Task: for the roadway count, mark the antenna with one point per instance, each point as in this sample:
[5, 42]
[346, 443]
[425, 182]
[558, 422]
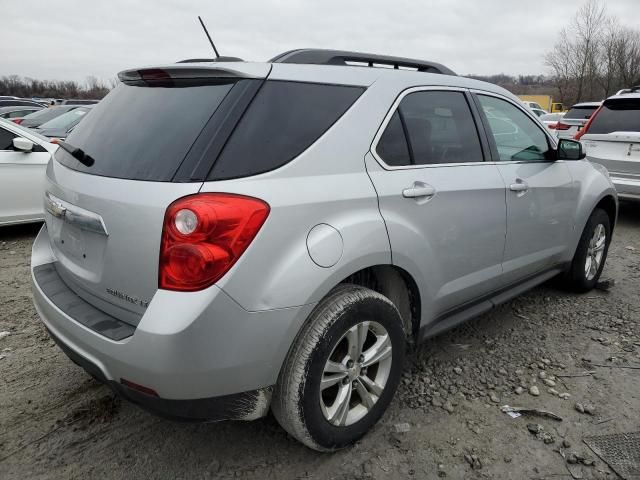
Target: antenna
[215, 50]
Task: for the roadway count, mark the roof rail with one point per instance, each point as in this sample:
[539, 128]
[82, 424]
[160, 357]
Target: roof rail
[634, 89]
[337, 57]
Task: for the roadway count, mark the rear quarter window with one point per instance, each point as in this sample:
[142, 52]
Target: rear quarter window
[283, 120]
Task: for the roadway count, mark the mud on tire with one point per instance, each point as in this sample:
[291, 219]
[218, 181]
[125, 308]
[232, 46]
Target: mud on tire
[300, 404]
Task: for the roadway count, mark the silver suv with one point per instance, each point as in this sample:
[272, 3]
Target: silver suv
[225, 238]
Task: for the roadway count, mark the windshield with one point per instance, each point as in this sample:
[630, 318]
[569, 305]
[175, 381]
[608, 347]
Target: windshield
[581, 113]
[66, 120]
[144, 131]
[619, 115]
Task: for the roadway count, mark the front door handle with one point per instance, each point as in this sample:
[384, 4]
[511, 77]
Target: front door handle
[419, 189]
[519, 186]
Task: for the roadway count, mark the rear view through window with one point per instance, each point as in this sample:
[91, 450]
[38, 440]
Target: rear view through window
[145, 131]
[581, 113]
[617, 115]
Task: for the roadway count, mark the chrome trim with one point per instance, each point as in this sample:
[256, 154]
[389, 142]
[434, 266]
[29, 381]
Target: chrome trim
[81, 218]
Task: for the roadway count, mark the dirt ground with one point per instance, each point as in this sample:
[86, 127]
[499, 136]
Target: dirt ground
[57, 422]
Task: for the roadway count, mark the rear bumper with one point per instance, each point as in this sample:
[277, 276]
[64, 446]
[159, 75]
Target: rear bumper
[239, 406]
[626, 187]
[201, 348]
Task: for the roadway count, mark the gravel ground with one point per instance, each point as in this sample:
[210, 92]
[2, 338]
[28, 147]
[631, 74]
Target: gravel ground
[57, 422]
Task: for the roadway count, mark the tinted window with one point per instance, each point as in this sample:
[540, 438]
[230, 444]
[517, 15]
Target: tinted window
[392, 146]
[620, 115]
[6, 139]
[440, 128]
[143, 132]
[517, 137]
[41, 116]
[283, 120]
[580, 113]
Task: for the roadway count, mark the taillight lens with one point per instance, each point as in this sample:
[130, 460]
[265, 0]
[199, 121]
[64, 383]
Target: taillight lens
[17, 120]
[584, 129]
[204, 235]
[552, 126]
[562, 126]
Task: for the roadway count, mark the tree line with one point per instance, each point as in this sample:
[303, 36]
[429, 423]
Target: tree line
[594, 56]
[93, 88]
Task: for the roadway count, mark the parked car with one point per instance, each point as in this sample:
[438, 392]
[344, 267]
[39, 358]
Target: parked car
[17, 112]
[79, 102]
[550, 120]
[576, 118]
[249, 255]
[532, 105]
[60, 126]
[539, 112]
[21, 102]
[612, 138]
[23, 159]
[34, 120]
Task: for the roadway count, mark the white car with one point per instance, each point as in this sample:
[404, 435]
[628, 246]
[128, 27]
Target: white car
[612, 138]
[23, 160]
[575, 119]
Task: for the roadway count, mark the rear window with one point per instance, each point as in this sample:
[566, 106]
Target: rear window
[619, 115]
[66, 120]
[580, 113]
[144, 131]
[283, 120]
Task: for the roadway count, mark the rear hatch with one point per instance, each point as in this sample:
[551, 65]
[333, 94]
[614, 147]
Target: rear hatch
[613, 137]
[152, 140]
[574, 120]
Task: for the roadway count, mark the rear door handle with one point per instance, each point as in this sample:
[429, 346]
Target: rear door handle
[519, 186]
[418, 190]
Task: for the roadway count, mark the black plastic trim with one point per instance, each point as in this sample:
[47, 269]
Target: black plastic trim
[339, 57]
[52, 285]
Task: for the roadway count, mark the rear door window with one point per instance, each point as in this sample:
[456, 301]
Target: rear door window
[440, 129]
[283, 120]
[617, 115]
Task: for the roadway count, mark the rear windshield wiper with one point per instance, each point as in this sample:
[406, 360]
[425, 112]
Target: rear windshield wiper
[77, 153]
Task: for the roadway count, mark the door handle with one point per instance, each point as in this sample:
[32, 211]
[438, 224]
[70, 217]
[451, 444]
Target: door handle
[519, 186]
[418, 190]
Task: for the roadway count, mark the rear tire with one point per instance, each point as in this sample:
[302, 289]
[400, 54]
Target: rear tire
[325, 398]
[591, 254]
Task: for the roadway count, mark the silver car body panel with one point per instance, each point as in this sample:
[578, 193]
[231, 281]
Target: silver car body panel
[234, 335]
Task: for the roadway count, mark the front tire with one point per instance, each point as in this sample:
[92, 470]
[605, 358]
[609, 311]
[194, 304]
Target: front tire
[591, 254]
[343, 369]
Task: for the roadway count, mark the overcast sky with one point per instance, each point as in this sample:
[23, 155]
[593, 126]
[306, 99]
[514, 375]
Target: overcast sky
[70, 39]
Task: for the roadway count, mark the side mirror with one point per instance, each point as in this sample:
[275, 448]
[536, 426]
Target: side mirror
[570, 150]
[22, 144]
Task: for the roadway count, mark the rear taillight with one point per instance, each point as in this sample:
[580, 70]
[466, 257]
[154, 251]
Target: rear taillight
[204, 235]
[552, 126]
[17, 120]
[562, 126]
[584, 129]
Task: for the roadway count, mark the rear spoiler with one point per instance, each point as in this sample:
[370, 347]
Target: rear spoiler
[184, 71]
